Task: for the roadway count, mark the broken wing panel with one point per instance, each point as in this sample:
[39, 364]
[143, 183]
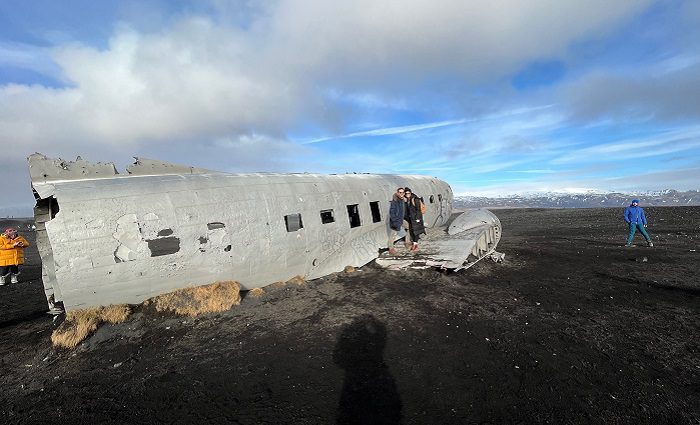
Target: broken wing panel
[472, 236]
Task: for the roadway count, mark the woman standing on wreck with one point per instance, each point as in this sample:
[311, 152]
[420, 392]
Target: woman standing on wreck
[414, 216]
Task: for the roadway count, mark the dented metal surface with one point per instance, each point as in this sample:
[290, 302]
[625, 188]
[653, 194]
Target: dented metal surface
[106, 237]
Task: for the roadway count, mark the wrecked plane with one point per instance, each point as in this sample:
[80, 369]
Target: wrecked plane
[108, 238]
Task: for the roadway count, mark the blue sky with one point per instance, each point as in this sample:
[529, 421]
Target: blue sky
[493, 97]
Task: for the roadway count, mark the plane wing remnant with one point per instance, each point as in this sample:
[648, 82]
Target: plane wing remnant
[472, 236]
[108, 238]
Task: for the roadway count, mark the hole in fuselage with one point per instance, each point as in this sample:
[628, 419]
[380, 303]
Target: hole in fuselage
[163, 246]
[45, 209]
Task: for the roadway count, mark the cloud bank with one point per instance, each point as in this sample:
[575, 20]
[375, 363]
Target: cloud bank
[200, 77]
[257, 86]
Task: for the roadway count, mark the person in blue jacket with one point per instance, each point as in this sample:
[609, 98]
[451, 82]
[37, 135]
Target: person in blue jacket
[635, 218]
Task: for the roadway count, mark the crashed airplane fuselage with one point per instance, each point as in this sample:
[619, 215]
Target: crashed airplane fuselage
[107, 238]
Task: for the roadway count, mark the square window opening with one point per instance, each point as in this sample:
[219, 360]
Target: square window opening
[354, 215]
[327, 216]
[293, 222]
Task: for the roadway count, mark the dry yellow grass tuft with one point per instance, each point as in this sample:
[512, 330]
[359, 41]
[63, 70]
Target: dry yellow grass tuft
[79, 324]
[349, 269]
[115, 313]
[256, 292]
[213, 298]
[297, 280]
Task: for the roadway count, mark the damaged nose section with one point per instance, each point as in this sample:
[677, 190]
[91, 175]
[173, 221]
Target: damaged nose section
[45, 173]
[45, 210]
[72, 243]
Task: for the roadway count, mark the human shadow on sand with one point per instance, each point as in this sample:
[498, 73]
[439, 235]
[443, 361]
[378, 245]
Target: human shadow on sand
[369, 394]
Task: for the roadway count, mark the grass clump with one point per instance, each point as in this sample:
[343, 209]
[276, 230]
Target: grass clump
[256, 292]
[297, 280]
[349, 269]
[212, 298]
[79, 324]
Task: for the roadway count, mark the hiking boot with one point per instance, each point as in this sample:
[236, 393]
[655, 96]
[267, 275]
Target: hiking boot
[629, 245]
[14, 279]
[650, 244]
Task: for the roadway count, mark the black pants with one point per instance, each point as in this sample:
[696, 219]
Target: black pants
[4, 270]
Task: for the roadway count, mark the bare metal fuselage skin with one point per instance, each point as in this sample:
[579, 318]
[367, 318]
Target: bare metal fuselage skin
[109, 238]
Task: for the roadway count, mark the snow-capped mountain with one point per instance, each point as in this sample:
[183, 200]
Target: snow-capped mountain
[589, 199]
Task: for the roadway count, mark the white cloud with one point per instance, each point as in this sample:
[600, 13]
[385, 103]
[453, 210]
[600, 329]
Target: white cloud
[20, 55]
[669, 142]
[253, 153]
[408, 40]
[666, 92]
[215, 81]
[201, 78]
[532, 171]
[389, 131]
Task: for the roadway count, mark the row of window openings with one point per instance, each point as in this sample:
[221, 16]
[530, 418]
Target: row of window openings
[294, 223]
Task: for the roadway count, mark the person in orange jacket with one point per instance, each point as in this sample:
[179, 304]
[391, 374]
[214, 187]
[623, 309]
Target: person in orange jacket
[11, 254]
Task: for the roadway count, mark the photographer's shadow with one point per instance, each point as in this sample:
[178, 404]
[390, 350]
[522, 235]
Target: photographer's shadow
[369, 394]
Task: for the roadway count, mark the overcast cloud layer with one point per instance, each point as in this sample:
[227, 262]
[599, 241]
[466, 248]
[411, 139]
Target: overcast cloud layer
[482, 94]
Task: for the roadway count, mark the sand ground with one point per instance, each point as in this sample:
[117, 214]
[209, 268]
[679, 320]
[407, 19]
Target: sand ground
[572, 328]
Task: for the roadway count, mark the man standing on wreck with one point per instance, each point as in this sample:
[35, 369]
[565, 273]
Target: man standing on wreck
[397, 222]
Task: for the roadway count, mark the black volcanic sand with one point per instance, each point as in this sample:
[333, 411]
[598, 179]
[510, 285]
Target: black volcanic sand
[572, 328]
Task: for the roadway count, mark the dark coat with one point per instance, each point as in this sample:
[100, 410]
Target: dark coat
[397, 212]
[415, 217]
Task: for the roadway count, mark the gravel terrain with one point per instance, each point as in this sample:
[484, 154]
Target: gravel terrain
[571, 328]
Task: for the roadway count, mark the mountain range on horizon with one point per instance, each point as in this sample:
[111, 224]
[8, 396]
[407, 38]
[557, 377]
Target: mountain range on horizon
[588, 199]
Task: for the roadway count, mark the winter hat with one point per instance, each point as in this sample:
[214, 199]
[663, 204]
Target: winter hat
[635, 200]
